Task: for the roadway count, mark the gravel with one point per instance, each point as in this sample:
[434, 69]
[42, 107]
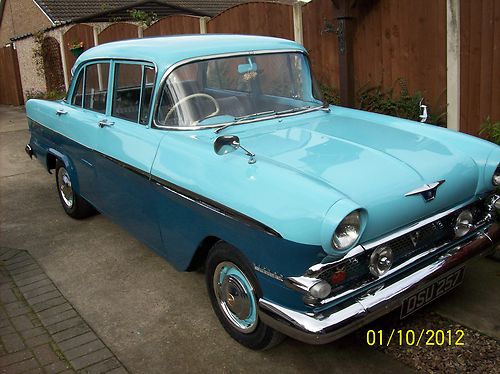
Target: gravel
[478, 354]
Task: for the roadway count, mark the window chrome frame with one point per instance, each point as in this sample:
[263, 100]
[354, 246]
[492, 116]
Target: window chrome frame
[83, 65]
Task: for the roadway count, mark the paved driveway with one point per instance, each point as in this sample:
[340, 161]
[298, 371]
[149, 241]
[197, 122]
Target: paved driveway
[153, 318]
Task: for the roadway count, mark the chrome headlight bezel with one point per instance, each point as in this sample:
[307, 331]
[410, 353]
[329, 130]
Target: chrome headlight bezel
[347, 232]
[495, 179]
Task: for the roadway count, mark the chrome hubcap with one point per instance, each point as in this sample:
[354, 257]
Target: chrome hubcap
[65, 188]
[235, 296]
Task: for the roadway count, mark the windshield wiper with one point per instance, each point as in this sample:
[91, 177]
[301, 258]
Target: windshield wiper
[243, 118]
[293, 110]
[238, 120]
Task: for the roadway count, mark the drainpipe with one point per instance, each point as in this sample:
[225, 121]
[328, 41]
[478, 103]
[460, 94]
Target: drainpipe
[203, 24]
[63, 58]
[453, 64]
[345, 31]
[298, 32]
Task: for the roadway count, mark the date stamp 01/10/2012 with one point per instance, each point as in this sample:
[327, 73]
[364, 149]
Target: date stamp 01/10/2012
[415, 338]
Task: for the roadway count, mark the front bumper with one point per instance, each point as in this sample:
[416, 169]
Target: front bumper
[334, 323]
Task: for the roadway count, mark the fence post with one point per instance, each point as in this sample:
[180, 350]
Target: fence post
[140, 32]
[63, 58]
[203, 24]
[453, 64]
[297, 23]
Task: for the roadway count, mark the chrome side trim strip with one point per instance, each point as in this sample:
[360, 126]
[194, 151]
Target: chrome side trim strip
[318, 268]
[213, 205]
[132, 168]
[182, 192]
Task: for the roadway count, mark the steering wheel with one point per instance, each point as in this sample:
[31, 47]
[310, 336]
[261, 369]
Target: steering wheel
[189, 97]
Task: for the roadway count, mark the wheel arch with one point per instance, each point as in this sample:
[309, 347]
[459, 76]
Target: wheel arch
[201, 252]
[53, 155]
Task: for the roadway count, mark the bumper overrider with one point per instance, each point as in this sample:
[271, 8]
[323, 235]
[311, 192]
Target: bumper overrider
[354, 312]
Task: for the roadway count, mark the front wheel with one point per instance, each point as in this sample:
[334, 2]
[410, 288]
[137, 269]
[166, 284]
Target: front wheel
[234, 292]
[74, 205]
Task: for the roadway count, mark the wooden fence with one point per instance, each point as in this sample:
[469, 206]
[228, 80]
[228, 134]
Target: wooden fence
[479, 63]
[78, 33]
[269, 19]
[395, 43]
[174, 25]
[405, 40]
[11, 92]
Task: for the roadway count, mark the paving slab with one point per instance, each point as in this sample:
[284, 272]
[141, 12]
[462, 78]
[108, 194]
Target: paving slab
[26, 342]
[476, 303]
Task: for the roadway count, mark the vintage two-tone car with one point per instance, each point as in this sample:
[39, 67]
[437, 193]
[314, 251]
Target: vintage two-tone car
[310, 220]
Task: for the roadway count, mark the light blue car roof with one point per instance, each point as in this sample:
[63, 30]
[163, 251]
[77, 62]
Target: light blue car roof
[166, 51]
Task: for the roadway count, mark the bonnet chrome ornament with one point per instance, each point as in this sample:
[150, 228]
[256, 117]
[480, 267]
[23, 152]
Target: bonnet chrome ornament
[428, 191]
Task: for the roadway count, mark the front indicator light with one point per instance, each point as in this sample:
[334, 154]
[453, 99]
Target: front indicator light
[381, 261]
[463, 223]
[320, 290]
[496, 177]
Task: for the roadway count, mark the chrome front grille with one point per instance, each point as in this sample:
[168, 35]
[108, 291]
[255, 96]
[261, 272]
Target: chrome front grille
[432, 235]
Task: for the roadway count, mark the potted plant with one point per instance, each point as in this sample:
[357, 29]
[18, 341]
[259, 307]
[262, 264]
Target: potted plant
[76, 48]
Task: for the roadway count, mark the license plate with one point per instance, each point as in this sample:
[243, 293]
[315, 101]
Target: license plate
[434, 290]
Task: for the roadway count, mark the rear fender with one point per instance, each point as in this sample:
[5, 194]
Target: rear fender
[68, 165]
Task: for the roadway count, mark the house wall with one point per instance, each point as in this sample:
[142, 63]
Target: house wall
[31, 80]
[21, 17]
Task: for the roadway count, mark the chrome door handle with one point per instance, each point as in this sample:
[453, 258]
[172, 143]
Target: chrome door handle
[105, 123]
[60, 112]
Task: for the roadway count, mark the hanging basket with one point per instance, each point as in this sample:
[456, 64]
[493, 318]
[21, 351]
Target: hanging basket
[76, 51]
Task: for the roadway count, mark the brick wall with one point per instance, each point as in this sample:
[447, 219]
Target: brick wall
[21, 17]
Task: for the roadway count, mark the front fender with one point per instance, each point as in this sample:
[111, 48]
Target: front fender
[333, 217]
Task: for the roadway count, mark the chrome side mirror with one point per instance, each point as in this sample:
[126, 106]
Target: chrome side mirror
[226, 144]
[229, 143]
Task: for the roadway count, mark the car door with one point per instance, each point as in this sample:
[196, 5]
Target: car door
[126, 149]
[77, 120]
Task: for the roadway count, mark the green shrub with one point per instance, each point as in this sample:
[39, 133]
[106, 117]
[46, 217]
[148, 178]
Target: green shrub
[49, 95]
[491, 130]
[329, 94]
[401, 104]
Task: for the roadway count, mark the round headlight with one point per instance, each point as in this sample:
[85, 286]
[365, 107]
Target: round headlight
[347, 232]
[496, 177]
[463, 223]
[381, 261]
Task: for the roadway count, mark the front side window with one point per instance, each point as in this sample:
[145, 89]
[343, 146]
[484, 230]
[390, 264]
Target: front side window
[221, 90]
[78, 91]
[96, 87]
[133, 89]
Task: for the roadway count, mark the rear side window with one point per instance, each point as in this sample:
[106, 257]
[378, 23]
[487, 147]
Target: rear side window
[133, 89]
[96, 87]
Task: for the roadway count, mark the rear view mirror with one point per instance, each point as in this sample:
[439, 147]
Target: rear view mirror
[247, 68]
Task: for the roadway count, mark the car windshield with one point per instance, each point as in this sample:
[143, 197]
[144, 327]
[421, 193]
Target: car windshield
[224, 90]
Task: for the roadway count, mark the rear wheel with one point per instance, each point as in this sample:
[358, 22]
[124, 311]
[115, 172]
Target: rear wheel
[234, 294]
[74, 205]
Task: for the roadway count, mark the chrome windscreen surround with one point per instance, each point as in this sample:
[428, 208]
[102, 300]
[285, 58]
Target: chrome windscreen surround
[156, 99]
